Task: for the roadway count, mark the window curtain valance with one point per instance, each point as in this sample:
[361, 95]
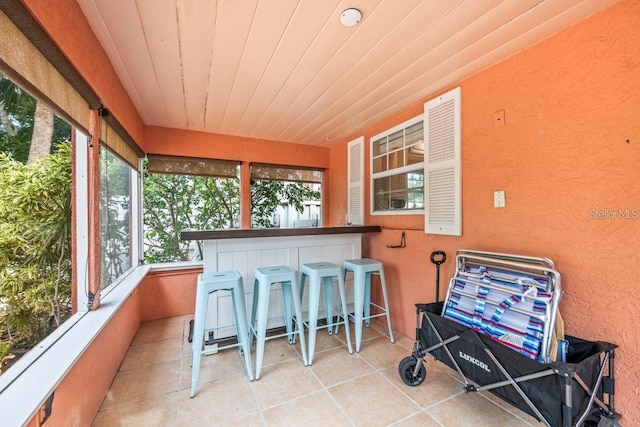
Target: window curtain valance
[192, 166]
[285, 173]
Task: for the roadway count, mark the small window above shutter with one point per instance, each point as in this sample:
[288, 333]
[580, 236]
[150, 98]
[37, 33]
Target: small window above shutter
[355, 172]
[442, 170]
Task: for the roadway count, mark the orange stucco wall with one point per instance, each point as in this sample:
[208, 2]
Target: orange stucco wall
[570, 145]
[227, 147]
[168, 294]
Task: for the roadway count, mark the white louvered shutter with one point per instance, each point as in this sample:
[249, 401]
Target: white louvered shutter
[442, 160]
[355, 174]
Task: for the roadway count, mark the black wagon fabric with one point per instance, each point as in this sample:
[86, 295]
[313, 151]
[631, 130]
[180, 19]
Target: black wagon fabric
[472, 353]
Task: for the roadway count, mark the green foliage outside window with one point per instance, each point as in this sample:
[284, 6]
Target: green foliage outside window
[267, 196]
[173, 203]
[35, 221]
[35, 247]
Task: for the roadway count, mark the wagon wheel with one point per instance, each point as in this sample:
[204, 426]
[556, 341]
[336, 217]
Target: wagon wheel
[406, 368]
[403, 362]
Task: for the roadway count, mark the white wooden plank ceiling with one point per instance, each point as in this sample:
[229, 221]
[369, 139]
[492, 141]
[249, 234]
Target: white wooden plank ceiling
[288, 70]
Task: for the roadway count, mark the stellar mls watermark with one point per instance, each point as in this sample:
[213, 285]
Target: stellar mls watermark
[614, 213]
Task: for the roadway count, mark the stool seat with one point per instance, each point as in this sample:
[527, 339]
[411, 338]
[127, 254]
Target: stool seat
[317, 273]
[288, 279]
[213, 282]
[362, 270]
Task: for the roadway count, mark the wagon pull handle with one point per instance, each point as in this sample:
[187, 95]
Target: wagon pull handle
[437, 262]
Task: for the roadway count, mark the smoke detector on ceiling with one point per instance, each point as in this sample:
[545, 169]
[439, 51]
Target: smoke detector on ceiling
[350, 17]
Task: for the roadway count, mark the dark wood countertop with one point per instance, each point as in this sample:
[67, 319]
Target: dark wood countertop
[275, 232]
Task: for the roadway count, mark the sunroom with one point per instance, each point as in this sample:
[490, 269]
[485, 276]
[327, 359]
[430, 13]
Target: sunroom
[334, 95]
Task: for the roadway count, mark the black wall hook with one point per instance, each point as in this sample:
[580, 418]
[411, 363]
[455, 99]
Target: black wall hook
[403, 242]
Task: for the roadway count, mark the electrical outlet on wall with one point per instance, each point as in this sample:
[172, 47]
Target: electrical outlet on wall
[499, 199]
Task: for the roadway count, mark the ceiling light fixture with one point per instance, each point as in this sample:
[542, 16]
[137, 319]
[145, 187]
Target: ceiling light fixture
[350, 17]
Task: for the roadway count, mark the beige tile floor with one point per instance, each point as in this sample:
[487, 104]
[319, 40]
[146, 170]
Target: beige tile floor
[339, 389]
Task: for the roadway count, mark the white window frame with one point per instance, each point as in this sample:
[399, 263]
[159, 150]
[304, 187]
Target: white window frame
[136, 210]
[81, 207]
[397, 171]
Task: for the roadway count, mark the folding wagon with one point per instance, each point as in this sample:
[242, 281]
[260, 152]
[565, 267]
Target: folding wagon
[496, 328]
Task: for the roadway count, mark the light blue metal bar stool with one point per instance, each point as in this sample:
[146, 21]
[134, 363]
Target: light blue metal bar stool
[323, 272]
[207, 284]
[288, 279]
[362, 270]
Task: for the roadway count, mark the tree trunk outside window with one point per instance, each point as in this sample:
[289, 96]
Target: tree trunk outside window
[42, 132]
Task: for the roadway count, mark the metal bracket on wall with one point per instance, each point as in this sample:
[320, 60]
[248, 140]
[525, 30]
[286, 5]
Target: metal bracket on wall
[403, 242]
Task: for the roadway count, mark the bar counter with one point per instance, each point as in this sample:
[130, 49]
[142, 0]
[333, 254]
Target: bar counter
[275, 232]
[246, 250]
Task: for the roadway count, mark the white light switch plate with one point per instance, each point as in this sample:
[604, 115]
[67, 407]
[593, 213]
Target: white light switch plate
[499, 199]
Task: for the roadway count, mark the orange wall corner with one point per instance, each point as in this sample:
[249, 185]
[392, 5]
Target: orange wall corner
[168, 294]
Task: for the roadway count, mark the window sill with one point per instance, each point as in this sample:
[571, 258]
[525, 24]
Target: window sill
[174, 266]
[26, 386]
